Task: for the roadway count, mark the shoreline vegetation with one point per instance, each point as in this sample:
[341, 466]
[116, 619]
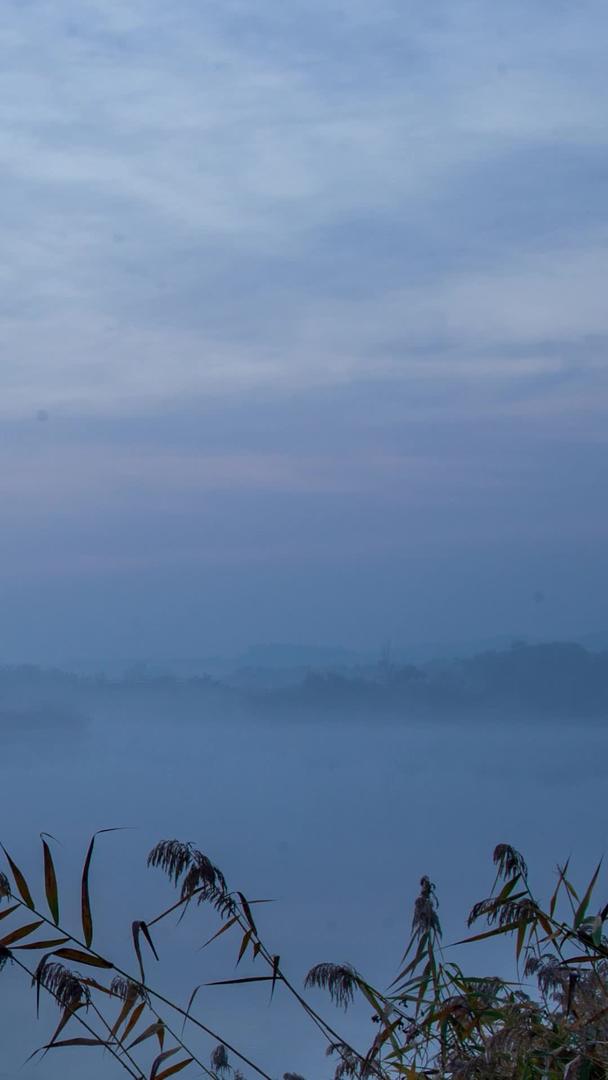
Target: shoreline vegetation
[557, 680]
[437, 1020]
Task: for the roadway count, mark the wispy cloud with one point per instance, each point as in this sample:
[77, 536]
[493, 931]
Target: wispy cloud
[211, 198]
[297, 284]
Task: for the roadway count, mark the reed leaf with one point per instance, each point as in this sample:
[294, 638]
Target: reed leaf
[21, 932]
[173, 1069]
[20, 882]
[158, 1061]
[80, 957]
[50, 883]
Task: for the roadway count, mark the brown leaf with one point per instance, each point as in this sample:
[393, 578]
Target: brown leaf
[190, 1003]
[174, 1069]
[159, 1060]
[244, 944]
[48, 944]
[85, 900]
[506, 929]
[20, 881]
[222, 930]
[135, 1015]
[128, 1004]
[158, 1029]
[275, 973]
[21, 932]
[247, 979]
[9, 910]
[66, 1015]
[80, 957]
[76, 1042]
[247, 911]
[50, 883]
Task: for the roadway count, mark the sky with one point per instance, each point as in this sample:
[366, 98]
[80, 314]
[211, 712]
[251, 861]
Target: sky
[303, 326]
[303, 338]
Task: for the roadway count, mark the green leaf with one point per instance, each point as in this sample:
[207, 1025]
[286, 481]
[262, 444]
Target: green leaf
[585, 1071]
[581, 910]
[507, 889]
[413, 964]
[560, 881]
[506, 929]
[521, 936]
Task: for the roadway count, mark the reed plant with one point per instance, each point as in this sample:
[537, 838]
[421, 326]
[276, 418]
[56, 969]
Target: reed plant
[548, 1021]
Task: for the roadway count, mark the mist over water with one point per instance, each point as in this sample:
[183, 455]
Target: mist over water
[334, 818]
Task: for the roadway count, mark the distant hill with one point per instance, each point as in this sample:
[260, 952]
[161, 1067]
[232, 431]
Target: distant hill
[555, 679]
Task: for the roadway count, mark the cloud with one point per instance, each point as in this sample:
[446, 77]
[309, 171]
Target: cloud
[316, 284]
[210, 200]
